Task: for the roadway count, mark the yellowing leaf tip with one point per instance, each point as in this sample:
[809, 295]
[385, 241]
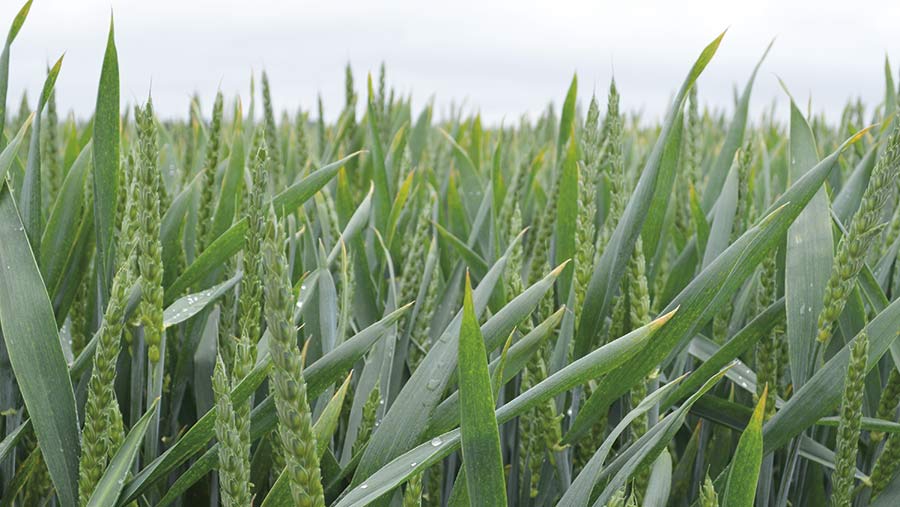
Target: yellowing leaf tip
[760, 409]
[558, 269]
[662, 319]
[857, 136]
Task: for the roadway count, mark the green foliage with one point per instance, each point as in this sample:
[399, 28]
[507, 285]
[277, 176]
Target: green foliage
[590, 307]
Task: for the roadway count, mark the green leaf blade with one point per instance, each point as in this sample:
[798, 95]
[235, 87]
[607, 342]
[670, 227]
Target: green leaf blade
[32, 341]
[480, 436]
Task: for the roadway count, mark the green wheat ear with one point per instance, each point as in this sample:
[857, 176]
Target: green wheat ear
[412, 495]
[249, 323]
[228, 311]
[886, 465]
[741, 166]
[543, 234]
[888, 403]
[539, 429]
[234, 461]
[512, 276]
[588, 175]
[192, 127]
[413, 260]
[516, 189]
[96, 440]
[639, 315]
[39, 485]
[384, 104]
[128, 213]
[78, 317]
[139, 261]
[149, 249]
[614, 166]
[252, 262]
[24, 110]
[421, 333]
[708, 495]
[617, 499]
[349, 90]
[208, 179]
[51, 165]
[632, 500]
[348, 288]
[368, 423]
[303, 151]
[271, 128]
[767, 350]
[853, 248]
[298, 443]
[690, 165]
[848, 428]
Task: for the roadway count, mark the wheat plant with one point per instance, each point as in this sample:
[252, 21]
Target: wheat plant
[586, 307]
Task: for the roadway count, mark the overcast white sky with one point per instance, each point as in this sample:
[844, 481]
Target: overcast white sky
[502, 58]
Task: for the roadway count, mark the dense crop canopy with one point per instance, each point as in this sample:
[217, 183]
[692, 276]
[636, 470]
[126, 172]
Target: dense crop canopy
[250, 307]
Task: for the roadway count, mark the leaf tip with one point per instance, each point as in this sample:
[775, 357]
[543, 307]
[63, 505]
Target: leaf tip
[857, 136]
[662, 319]
[558, 269]
[760, 409]
[467, 297]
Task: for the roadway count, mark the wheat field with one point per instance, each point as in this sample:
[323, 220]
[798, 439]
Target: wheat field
[251, 306]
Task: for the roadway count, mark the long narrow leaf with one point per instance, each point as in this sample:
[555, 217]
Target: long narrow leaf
[480, 436]
[32, 341]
